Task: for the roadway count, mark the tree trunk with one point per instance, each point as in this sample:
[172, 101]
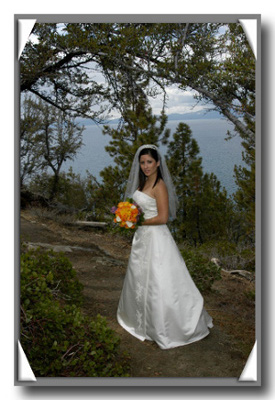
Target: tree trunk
[54, 188]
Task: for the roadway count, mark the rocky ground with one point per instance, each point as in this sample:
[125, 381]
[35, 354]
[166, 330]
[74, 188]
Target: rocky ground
[100, 260]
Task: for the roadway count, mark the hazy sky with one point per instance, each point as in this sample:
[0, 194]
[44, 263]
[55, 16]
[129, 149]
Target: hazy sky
[178, 101]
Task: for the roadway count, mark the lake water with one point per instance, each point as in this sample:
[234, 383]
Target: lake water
[218, 155]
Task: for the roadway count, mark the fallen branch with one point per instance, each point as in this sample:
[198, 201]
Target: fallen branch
[243, 273]
[246, 274]
[92, 224]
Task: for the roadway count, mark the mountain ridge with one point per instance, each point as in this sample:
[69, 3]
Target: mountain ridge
[196, 115]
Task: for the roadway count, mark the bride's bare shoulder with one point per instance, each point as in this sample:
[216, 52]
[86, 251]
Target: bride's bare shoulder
[160, 188]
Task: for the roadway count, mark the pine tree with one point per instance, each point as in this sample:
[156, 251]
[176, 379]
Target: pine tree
[203, 206]
[185, 167]
[138, 126]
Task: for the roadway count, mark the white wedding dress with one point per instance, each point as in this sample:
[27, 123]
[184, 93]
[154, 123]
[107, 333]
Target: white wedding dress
[159, 300]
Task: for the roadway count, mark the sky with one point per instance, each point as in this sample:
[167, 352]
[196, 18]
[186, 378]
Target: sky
[178, 101]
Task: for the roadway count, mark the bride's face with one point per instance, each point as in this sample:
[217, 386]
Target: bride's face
[148, 165]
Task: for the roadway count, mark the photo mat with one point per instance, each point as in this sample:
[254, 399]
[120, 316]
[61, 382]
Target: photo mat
[251, 375]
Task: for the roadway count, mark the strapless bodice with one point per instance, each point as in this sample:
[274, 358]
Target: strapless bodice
[147, 203]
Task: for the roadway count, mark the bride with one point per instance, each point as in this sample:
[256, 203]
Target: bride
[159, 300]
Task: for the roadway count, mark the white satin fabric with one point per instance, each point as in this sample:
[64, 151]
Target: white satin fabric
[159, 300]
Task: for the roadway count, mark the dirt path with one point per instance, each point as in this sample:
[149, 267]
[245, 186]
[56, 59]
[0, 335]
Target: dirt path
[100, 260]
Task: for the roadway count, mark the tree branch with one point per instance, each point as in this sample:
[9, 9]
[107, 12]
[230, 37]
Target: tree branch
[223, 107]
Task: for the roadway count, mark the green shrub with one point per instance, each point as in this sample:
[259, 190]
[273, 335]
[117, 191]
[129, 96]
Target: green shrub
[71, 189]
[230, 255]
[203, 272]
[250, 294]
[50, 272]
[56, 337]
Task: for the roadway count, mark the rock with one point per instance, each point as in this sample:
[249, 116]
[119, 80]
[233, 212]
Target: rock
[56, 248]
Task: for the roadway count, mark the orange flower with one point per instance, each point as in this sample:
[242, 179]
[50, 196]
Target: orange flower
[128, 215]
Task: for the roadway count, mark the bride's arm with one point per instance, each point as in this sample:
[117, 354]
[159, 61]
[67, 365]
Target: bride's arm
[161, 196]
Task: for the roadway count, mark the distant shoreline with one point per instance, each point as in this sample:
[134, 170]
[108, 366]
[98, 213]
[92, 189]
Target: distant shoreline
[196, 115]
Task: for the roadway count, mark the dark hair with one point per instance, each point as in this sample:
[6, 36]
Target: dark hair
[142, 178]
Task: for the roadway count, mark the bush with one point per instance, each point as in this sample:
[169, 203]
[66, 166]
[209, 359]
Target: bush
[82, 197]
[56, 337]
[203, 272]
[230, 255]
[53, 274]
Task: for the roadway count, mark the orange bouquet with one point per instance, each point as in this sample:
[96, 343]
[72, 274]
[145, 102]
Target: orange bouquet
[127, 214]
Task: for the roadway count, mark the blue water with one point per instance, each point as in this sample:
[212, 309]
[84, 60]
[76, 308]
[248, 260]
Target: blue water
[218, 155]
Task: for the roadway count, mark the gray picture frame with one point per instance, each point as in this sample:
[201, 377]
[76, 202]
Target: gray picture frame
[141, 382]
